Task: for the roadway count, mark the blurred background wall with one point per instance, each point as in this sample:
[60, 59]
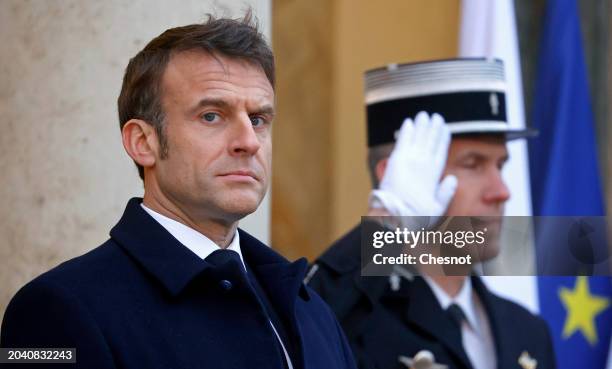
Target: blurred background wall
[65, 178]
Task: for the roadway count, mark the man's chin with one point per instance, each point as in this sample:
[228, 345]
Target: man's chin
[241, 205]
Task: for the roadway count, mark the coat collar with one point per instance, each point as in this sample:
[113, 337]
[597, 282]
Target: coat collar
[175, 266]
[274, 269]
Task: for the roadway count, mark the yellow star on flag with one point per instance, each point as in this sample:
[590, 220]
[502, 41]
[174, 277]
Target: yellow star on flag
[582, 308]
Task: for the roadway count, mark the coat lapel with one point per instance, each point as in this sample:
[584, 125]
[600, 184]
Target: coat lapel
[175, 266]
[155, 249]
[283, 283]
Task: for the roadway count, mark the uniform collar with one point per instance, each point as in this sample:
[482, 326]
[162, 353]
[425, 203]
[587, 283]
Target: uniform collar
[465, 300]
[175, 266]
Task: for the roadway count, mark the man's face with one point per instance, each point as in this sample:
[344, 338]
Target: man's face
[218, 114]
[477, 163]
[481, 192]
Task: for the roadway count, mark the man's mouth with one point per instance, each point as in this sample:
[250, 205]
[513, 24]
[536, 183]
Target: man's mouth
[248, 175]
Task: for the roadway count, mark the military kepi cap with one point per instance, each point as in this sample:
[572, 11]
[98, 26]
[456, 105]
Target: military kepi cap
[470, 93]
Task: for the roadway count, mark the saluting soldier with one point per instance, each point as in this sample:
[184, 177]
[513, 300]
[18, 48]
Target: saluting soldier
[448, 163]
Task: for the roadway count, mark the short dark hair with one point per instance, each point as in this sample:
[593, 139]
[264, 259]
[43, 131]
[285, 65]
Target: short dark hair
[375, 155]
[140, 96]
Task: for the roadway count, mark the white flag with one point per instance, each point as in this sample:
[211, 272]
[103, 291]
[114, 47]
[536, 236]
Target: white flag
[488, 29]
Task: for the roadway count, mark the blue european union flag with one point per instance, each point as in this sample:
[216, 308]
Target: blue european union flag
[579, 313]
[565, 181]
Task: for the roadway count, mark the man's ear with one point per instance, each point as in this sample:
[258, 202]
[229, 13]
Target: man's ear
[141, 142]
[381, 166]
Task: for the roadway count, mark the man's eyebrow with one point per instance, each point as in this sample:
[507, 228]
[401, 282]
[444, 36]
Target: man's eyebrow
[208, 101]
[479, 156]
[220, 103]
[472, 154]
[266, 109]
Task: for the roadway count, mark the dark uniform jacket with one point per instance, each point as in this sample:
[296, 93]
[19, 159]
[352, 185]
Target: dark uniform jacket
[382, 323]
[143, 300]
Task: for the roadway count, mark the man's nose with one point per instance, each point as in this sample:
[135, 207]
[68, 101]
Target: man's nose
[496, 192]
[243, 138]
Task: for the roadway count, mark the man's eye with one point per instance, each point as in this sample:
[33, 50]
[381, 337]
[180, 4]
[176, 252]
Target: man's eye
[469, 164]
[210, 117]
[258, 121]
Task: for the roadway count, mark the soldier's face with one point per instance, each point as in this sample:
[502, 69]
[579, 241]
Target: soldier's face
[481, 191]
[478, 163]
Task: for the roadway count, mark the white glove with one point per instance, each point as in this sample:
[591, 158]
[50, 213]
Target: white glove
[411, 184]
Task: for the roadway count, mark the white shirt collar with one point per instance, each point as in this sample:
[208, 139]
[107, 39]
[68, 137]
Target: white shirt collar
[192, 239]
[464, 299]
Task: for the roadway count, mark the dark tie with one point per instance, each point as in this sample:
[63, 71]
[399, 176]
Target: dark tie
[456, 313]
[221, 257]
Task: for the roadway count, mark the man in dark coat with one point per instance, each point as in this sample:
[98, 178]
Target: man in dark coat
[418, 170]
[177, 285]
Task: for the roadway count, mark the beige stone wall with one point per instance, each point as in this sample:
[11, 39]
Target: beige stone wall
[65, 178]
[323, 48]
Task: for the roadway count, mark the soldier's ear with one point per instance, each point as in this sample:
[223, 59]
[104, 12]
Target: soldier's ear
[381, 166]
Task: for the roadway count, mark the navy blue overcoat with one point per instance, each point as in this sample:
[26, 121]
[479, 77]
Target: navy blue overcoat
[143, 300]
